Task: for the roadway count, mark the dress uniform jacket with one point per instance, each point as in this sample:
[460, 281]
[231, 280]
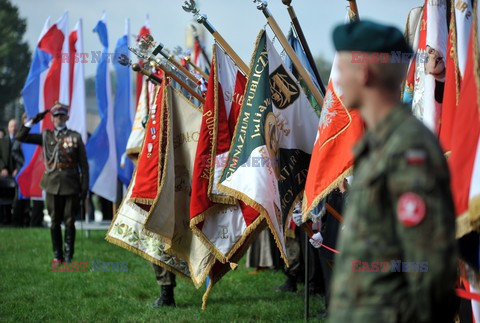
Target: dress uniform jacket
[66, 170]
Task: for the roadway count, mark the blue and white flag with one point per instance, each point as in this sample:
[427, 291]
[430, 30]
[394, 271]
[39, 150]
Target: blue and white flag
[123, 108]
[101, 149]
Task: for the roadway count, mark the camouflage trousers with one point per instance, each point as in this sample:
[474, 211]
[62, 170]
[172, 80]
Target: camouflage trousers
[294, 257]
[163, 276]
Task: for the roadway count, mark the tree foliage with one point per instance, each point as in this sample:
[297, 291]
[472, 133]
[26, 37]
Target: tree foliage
[15, 56]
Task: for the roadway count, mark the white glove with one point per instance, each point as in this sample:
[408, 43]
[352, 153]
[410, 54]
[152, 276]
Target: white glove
[316, 240]
[297, 218]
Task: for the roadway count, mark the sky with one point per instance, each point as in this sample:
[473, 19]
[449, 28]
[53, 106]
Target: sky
[238, 21]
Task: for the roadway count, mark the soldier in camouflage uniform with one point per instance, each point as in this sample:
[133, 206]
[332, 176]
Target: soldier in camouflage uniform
[397, 260]
[167, 282]
[65, 179]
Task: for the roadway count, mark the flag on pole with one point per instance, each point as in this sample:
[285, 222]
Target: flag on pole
[144, 30]
[78, 109]
[146, 100]
[460, 25]
[101, 149]
[32, 94]
[464, 161]
[123, 108]
[168, 216]
[272, 143]
[297, 47]
[217, 219]
[338, 130]
[430, 67]
[127, 229]
[47, 82]
[416, 35]
[199, 58]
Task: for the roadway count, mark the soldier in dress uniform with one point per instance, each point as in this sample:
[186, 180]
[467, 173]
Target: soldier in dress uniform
[65, 180]
[397, 260]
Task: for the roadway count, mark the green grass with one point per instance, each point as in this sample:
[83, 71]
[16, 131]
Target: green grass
[30, 291]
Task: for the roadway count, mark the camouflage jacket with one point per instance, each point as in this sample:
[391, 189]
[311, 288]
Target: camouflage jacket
[397, 260]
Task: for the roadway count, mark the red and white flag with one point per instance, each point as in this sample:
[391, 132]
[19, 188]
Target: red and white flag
[460, 25]
[78, 108]
[430, 66]
[332, 157]
[43, 88]
[219, 220]
[199, 58]
[464, 160]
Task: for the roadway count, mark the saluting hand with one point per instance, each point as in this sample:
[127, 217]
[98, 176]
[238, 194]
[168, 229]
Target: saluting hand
[39, 117]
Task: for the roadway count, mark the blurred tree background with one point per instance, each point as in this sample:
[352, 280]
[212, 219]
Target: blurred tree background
[15, 57]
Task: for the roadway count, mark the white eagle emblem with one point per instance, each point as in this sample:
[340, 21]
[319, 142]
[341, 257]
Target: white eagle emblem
[327, 114]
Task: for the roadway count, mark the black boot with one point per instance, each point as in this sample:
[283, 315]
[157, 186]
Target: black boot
[290, 285]
[69, 243]
[166, 298]
[56, 235]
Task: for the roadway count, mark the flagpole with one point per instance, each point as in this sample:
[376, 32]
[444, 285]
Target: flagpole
[196, 68]
[190, 6]
[306, 284]
[175, 77]
[171, 59]
[354, 10]
[262, 5]
[181, 82]
[195, 35]
[303, 41]
[125, 61]
[150, 76]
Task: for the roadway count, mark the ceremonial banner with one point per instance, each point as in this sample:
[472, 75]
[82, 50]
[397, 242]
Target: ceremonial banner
[338, 130]
[146, 100]
[463, 161]
[168, 216]
[270, 152]
[126, 231]
[218, 220]
[414, 79]
[460, 25]
[450, 94]
[128, 227]
[430, 66]
[412, 27]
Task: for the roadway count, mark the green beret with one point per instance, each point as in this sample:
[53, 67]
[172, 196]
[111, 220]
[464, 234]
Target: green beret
[370, 37]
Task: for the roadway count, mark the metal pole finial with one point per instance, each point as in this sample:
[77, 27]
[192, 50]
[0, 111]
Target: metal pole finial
[191, 6]
[261, 4]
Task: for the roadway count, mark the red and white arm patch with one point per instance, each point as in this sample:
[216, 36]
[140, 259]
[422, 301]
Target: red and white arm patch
[411, 209]
[416, 157]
